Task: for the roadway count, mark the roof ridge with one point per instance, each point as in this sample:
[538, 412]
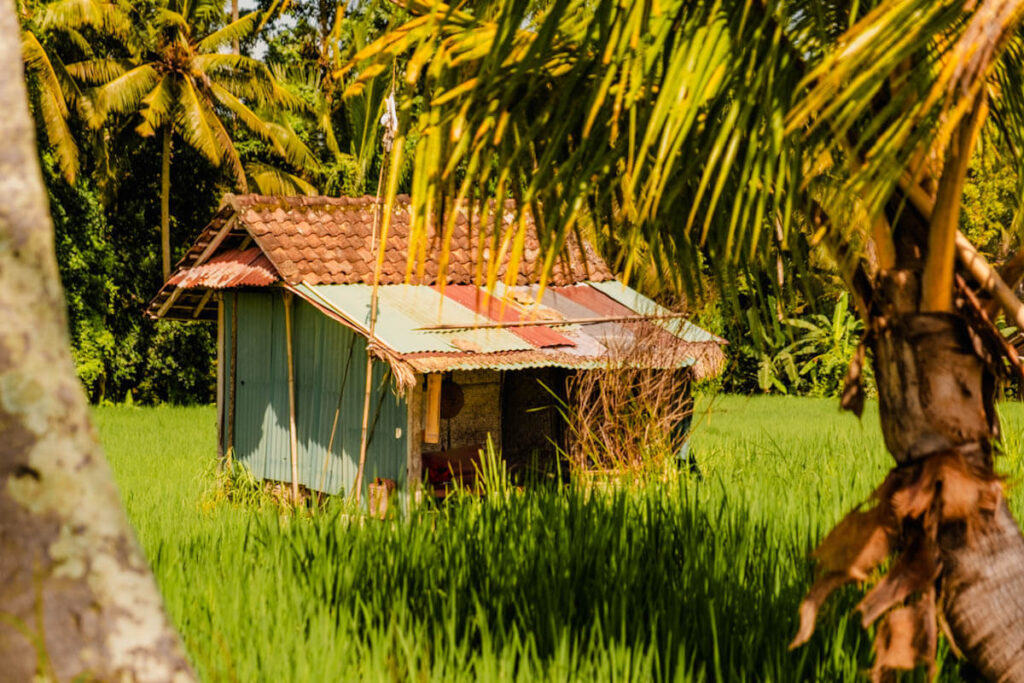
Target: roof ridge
[252, 200]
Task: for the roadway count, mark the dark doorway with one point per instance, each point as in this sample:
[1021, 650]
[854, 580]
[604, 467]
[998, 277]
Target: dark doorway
[532, 427]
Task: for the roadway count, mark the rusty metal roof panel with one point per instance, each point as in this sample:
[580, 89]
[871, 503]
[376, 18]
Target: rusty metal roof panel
[506, 310]
[232, 268]
[636, 301]
[402, 312]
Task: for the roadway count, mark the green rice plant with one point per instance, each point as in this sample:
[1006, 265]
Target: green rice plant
[668, 580]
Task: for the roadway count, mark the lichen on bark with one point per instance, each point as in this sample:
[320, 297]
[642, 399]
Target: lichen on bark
[76, 595]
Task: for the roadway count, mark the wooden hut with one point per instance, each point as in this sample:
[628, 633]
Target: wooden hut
[288, 281]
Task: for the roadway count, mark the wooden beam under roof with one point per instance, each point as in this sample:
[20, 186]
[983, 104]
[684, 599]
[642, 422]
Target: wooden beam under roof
[202, 303]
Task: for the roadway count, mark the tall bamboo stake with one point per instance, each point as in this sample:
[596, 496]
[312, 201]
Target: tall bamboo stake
[221, 375]
[384, 209]
[232, 391]
[293, 436]
[357, 488]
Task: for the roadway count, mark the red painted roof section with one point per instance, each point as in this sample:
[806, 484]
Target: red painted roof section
[233, 268]
[498, 310]
[599, 302]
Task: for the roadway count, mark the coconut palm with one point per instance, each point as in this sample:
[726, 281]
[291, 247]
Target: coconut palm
[53, 32]
[697, 128]
[180, 83]
[347, 123]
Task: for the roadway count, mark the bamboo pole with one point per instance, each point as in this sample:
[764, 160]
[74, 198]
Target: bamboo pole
[553, 323]
[221, 450]
[234, 377]
[337, 414]
[414, 437]
[377, 248]
[358, 484]
[292, 435]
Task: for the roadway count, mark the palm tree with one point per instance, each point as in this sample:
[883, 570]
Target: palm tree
[700, 129]
[346, 121]
[179, 82]
[51, 33]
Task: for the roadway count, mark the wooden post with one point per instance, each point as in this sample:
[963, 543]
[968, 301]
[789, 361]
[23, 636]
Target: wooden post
[432, 432]
[234, 378]
[293, 436]
[414, 437]
[220, 381]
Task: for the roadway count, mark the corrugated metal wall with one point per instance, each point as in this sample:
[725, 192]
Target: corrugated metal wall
[330, 364]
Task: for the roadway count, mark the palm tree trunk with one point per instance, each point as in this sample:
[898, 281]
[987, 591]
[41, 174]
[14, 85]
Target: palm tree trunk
[77, 599]
[936, 394]
[235, 48]
[165, 203]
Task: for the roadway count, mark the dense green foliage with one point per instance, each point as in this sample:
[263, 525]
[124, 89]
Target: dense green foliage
[669, 581]
[87, 63]
[103, 176]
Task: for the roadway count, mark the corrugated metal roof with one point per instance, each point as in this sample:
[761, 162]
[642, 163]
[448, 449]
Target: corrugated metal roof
[403, 309]
[409, 318]
[232, 268]
[634, 300]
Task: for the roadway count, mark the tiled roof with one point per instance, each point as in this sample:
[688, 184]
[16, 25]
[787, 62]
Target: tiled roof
[327, 240]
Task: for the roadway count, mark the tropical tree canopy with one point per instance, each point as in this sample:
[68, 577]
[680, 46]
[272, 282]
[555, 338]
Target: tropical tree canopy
[179, 76]
[697, 127]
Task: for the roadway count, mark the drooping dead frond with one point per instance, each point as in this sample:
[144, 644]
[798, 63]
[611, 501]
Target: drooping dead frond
[907, 512]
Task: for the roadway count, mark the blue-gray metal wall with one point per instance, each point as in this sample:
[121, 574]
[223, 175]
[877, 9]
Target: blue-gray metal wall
[330, 364]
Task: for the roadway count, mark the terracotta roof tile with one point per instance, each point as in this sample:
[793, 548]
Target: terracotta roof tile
[327, 240]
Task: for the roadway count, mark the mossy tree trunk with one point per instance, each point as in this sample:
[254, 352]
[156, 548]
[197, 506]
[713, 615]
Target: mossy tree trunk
[77, 599]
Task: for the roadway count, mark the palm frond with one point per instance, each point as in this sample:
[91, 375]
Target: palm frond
[230, 152]
[291, 147]
[97, 71]
[666, 121]
[53, 107]
[193, 123]
[246, 78]
[897, 84]
[123, 94]
[282, 139]
[157, 106]
[235, 30]
[275, 181]
[108, 18]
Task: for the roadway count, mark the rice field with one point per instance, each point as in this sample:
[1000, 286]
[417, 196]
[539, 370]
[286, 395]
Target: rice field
[675, 580]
